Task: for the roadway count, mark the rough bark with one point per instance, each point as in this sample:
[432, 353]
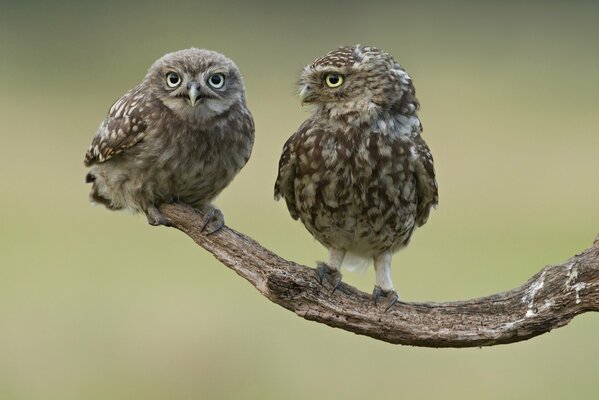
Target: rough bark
[548, 300]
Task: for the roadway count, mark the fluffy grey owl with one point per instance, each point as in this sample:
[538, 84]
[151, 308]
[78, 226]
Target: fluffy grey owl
[180, 136]
[357, 172]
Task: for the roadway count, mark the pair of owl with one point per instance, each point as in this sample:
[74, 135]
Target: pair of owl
[357, 172]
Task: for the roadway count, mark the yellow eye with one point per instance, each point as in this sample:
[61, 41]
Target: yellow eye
[333, 80]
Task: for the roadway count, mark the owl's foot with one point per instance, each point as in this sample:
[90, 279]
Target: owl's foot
[322, 270]
[155, 218]
[392, 294]
[214, 220]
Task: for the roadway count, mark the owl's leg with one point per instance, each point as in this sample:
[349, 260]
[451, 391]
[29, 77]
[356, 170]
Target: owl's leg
[155, 218]
[214, 219]
[332, 267]
[384, 285]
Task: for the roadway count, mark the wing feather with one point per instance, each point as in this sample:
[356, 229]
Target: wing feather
[426, 183]
[285, 183]
[123, 128]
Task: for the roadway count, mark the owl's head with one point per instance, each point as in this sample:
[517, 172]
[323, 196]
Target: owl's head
[196, 84]
[357, 82]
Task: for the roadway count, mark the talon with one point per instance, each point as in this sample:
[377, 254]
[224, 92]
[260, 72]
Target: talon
[336, 283]
[155, 218]
[322, 269]
[213, 215]
[207, 219]
[376, 294]
[392, 301]
[164, 222]
[392, 294]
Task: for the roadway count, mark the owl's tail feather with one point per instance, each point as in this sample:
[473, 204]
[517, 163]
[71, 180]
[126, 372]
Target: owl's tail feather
[356, 263]
[95, 197]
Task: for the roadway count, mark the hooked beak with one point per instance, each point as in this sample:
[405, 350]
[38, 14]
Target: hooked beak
[193, 93]
[306, 95]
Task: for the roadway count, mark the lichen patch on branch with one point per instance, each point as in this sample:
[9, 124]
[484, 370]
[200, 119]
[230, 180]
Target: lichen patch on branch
[572, 277]
[531, 292]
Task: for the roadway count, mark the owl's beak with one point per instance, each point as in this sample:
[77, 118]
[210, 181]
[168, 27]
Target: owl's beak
[193, 93]
[307, 95]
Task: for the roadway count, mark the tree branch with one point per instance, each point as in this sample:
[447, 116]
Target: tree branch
[548, 300]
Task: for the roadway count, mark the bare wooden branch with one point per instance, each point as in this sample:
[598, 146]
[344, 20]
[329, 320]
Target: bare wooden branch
[548, 300]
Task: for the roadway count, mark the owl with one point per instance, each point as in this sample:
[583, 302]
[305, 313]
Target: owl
[180, 136]
[357, 172]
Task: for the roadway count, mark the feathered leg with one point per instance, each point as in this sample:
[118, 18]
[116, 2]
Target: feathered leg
[384, 285]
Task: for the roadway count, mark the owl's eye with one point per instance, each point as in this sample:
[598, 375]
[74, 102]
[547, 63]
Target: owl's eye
[333, 80]
[173, 79]
[217, 81]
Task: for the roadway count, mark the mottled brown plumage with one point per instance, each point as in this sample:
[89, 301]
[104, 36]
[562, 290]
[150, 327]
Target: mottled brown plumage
[357, 173]
[181, 135]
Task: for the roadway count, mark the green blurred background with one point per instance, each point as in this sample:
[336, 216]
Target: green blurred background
[99, 305]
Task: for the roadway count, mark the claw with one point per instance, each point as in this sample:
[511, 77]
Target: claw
[322, 269]
[160, 222]
[378, 292]
[336, 283]
[155, 218]
[164, 222]
[392, 301]
[213, 215]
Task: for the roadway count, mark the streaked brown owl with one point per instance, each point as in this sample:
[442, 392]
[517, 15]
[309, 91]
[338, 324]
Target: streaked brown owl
[180, 136]
[357, 172]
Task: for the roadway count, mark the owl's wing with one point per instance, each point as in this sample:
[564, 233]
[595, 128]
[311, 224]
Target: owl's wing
[124, 127]
[426, 184]
[285, 184]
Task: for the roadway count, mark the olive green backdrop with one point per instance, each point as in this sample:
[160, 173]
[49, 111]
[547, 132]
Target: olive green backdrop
[99, 305]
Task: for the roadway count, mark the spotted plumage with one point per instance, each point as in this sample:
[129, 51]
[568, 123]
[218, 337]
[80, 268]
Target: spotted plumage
[181, 135]
[357, 173]
[124, 127]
